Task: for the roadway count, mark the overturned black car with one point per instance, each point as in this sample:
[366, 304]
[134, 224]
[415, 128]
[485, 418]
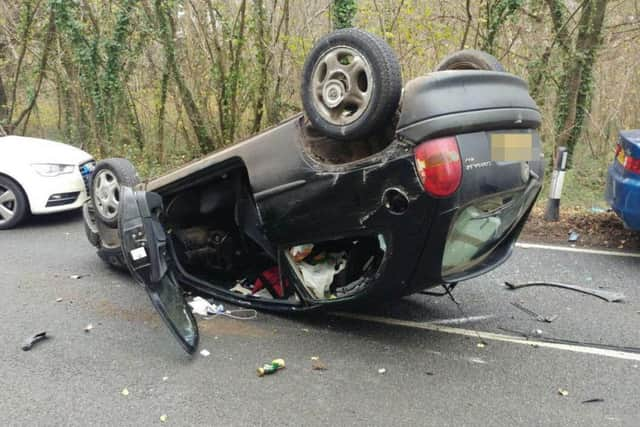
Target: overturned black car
[374, 193]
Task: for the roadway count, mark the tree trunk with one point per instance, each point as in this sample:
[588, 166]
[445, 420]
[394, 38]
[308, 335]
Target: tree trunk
[167, 31]
[261, 47]
[4, 108]
[574, 96]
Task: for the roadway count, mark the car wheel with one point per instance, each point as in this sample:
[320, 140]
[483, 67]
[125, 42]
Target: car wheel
[13, 203]
[351, 84]
[90, 227]
[470, 59]
[111, 255]
[106, 180]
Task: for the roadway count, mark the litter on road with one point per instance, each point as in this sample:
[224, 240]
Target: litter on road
[596, 400]
[89, 327]
[270, 368]
[30, 341]
[205, 352]
[604, 295]
[563, 392]
[317, 364]
[204, 308]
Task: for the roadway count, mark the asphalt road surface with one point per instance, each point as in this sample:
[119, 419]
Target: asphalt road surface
[436, 371]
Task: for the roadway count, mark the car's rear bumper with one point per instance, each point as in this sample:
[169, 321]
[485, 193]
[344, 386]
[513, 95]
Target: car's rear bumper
[623, 195]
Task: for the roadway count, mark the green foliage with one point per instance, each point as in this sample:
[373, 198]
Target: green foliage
[343, 13]
[99, 60]
[497, 13]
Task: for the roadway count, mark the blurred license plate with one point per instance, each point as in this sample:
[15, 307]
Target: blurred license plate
[511, 147]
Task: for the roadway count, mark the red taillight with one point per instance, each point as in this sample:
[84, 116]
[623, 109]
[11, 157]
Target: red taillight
[632, 165]
[618, 149]
[439, 166]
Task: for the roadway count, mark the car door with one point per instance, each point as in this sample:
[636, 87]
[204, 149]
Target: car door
[144, 245]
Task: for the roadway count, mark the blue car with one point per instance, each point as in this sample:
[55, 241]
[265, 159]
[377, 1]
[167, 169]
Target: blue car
[623, 180]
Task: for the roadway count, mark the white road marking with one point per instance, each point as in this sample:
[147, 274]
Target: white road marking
[461, 320]
[429, 326]
[524, 245]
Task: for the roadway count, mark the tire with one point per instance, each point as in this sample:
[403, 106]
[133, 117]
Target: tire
[351, 84]
[14, 207]
[89, 221]
[112, 256]
[106, 180]
[471, 59]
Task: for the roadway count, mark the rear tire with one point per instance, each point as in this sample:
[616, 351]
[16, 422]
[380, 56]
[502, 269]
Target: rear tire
[14, 207]
[106, 180]
[470, 59]
[351, 84]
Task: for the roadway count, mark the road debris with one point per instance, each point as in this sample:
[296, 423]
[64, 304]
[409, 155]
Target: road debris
[125, 392]
[604, 295]
[205, 352]
[58, 299]
[78, 276]
[207, 310]
[475, 360]
[573, 236]
[382, 371]
[481, 344]
[89, 327]
[596, 400]
[317, 364]
[270, 368]
[202, 307]
[30, 341]
[538, 317]
[563, 392]
[165, 378]
[163, 418]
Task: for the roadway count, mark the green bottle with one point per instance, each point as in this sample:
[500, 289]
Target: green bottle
[270, 368]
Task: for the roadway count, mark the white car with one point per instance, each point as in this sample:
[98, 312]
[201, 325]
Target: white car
[38, 176]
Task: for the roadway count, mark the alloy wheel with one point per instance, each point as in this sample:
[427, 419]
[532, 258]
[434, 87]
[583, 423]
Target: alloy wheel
[106, 193]
[7, 204]
[342, 85]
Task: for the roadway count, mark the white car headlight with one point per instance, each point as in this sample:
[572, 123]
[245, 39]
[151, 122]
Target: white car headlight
[52, 169]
